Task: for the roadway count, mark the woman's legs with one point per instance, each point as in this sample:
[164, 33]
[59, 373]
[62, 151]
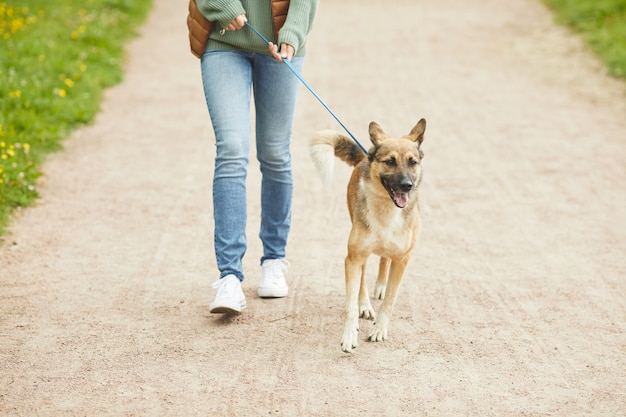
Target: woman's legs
[275, 93]
[227, 78]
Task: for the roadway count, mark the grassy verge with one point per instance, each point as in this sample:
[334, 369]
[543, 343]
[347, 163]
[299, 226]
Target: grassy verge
[56, 58]
[602, 23]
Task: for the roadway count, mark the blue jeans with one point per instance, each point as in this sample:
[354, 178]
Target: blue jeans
[228, 78]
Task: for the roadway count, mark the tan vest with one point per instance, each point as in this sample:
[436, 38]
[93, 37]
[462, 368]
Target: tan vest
[200, 27]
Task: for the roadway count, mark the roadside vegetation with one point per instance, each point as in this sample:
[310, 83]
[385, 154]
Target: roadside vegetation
[602, 23]
[56, 58]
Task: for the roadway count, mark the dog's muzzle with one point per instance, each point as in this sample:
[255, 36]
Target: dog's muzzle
[399, 193]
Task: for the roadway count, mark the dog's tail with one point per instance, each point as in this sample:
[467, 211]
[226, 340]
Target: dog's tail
[326, 144]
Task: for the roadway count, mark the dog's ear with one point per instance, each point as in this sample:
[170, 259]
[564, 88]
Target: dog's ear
[376, 133]
[417, 133]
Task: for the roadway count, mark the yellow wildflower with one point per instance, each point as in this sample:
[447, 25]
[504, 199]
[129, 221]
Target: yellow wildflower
[68, 82]
[17, 24]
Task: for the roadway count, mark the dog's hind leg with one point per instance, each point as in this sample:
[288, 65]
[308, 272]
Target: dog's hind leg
[381, 281]
[365, 306]
[354, 269]
[381, 325]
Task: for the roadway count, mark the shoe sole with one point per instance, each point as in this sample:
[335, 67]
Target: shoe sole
[273, 292]
[227, 309]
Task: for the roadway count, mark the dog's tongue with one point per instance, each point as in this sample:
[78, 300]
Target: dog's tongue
[401, 199]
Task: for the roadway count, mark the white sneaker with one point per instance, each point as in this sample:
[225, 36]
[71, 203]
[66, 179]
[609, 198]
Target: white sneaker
[229, 298]
[273, 284]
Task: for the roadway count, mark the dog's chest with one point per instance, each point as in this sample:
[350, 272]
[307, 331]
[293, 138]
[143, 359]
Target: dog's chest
[385, 223]
[389, 230]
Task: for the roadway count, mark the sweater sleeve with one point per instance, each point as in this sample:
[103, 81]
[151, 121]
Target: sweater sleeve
[298, 24]
[221, 11]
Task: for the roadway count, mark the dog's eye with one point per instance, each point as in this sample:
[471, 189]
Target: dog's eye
[412, 162]
[391, 162]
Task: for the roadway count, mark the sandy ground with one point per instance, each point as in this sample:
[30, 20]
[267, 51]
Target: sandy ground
[515, 300]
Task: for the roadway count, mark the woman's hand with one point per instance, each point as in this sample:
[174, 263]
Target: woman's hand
[237, 23]
[286, 51]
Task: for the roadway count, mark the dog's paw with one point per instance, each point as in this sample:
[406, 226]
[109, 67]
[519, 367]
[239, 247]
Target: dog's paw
[378, 333]
[350, 338]
[380, 290]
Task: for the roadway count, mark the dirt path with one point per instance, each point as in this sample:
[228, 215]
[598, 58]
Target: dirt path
[515, 302]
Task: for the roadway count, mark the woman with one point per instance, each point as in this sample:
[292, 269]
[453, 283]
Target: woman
[237, 63]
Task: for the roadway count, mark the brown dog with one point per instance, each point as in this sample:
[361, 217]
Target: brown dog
[383, 206]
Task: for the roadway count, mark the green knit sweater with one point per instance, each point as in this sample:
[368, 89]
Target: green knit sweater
[259, 14]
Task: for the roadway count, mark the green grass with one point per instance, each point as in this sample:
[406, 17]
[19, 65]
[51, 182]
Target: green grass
[602, 23]
[56, 58]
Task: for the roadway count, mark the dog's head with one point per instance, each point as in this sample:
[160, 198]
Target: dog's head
[396, 162]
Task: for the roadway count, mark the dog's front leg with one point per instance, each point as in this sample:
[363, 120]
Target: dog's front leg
[381, 325]
[351, 328]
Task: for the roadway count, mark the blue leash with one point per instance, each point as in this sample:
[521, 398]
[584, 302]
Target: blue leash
[295, 71]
